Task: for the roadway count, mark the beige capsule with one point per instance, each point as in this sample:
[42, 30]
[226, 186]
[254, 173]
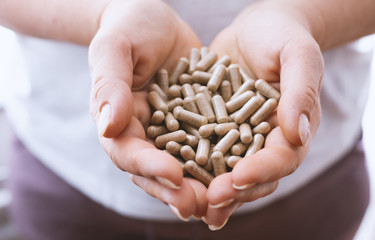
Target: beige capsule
[196, 87]
[227, 141]
[204, 51]
[263, 112]
[218, 163]
[262, 128]
[235, 77]
[195, 55]
[236, 103]
[180, 68]
[174, 91]
[155, 131]
[198, 172]
[257, 93]
[177, 136]
[191, 140]
[171, 122]
[220, 109]
[174, 103]
[173, 147]
[190, 130]
[223, 128]
[204, 107]
[208, 166]
[189, 104]
[224, 60]
[187, 90]
[207, 61]
[256, 144]
[239, 148]
[266, 89]
[233, 115]
[248, 77]
[248, 109]
[245, 133]
[206, 92]
[157, 117]
[188, 117]
[162, 79]
[187, 153]
[226, 90]
[156, 88]
[203, 150]
[246, 86]
[185, 78]
[217, 76]
[233, 160]
[201, 77]
[207, 130]
[157, 102]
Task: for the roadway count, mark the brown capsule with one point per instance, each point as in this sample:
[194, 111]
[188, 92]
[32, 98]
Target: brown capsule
[195, 55]
[189, 104]
[201, 77]
[156, 88]
[223, 128]
[185, 78]
[256, 144]
[198, 172]
[246, 86]
[190, 118]
[171, 122]
[157, 117]
[207, 130]
[191, 140]
[248, 77]
[203, 149]
[207, 61]
[224, 60]
[236, 103]
[233, 160]
[157, 102]
[263, 112]
[177, 136]
[216, 78]
[206, 92]
[190, 129]
[239, 148]
[218, 163]
[220, 109]
[235, 77]
[196, 87]
[180, 68]
[162, 79]
[155, 131]
[174, 91]
[226, 90]
[187, 153]
[204, 107]
[187, 90]
[262, 128]
[245, 133]
[208, 166]
[248, 109]
[227, 141]
[173, 147]
[174, 103]
[266, 89]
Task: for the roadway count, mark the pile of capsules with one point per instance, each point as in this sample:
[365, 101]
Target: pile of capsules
[209, 114]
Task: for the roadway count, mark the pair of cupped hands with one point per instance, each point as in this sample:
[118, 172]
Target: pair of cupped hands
[136, 38]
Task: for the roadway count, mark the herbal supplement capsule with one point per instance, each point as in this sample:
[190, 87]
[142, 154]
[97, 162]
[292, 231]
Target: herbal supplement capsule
[180, 68]
[204, 51]
[207, 130]
[203, 149]
[245, 133]
[174, 103]
[155, 131]
[248, 77]
[171, 123]
[208, 166]
[156, 88]
[162, 79]
[239, 148]
[198, 172]
[220, 109]
[263, 112]
[191, 140]
[216, 78]
[185, 78]
[233, 115]
[187, 153]
[236, 103]
[190, 118]
[248, 109]
[201, 77]
[195, 55]
[204, 107]
[174, 91]
[157, 102]
[256, 144]
[190, 130]
[246, 86]
[227, 141]
[233, 160]
[226, 90]
[223, 128]
[262, 128]
[173, 147]
[257, 93]
[234, 76]
[224, 60]
[157, 117]
[218, 163]
[196, 87]
[187, 90]
[177, 136]
[207, 61]
[266, 89]
[189, 104]
[206, 92]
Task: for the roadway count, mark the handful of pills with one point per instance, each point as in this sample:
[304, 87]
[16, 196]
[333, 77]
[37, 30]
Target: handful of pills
[209, 114]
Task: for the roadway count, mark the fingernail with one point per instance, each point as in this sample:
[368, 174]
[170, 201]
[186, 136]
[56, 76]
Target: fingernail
[196, 218]
[215, 228]
[222, 204]
[177, 213]
[304, 128]
[131, 176]
[104, 118]
[167, 183]
[243, 187]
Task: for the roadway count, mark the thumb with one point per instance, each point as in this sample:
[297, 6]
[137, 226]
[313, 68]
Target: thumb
[111, 68]
[301, 74]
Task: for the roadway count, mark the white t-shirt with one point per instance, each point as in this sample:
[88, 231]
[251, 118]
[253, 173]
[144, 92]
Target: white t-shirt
[50, 114]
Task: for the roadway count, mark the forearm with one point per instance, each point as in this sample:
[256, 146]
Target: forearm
[68, 20]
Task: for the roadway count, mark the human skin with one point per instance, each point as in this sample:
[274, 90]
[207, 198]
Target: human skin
[126, 50]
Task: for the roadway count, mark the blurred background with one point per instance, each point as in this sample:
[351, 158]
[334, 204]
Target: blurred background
[8, 55]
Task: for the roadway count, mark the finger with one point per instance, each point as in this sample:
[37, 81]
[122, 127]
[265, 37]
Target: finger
[200, 195]
[216, 218]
